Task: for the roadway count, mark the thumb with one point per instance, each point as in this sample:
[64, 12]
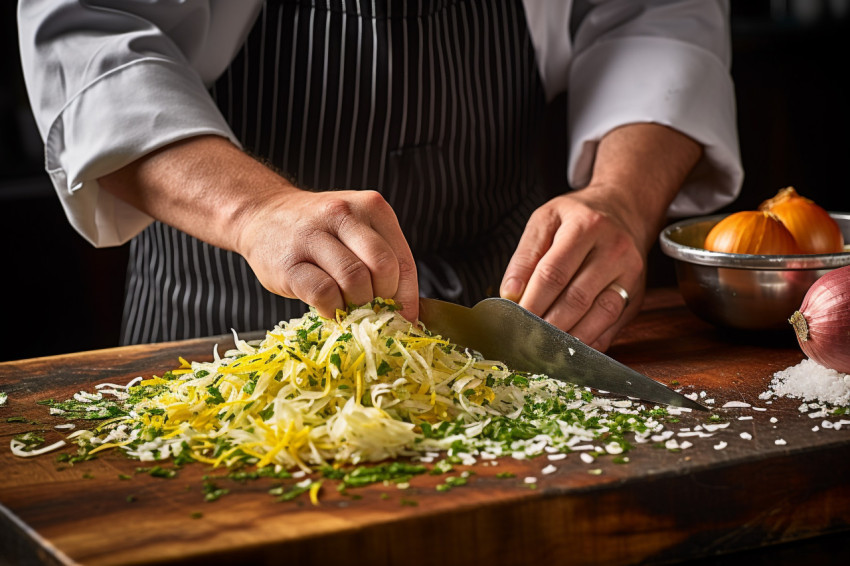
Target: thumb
[407, 295]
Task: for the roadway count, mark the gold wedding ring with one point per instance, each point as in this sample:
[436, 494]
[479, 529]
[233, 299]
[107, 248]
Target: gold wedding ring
[620, 291]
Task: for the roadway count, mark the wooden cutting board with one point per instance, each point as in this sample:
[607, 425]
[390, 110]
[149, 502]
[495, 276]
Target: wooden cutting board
[661, 506]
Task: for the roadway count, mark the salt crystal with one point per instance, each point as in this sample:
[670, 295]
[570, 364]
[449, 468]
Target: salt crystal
[815, 428]
[774, 420]
[720, 445]
[736, 405]
[811, 381]
[709, 401]
[780, 442]
[746, 436]
[692, 396]
[614, 448]
[695, 433]
[667, 434]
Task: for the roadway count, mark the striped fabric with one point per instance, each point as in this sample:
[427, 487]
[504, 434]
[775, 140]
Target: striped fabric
[434, 104]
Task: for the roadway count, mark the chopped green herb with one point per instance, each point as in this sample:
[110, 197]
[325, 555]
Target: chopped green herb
[20, 420]
[212, 492]
[215, 397]
[291, 493]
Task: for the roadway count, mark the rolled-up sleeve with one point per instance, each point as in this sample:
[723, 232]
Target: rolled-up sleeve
[664, 62]
[111, 81]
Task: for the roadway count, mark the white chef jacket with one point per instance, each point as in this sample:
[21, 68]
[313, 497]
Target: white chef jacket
[112, 80]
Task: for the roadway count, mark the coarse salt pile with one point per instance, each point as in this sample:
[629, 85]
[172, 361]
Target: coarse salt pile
[811, 381]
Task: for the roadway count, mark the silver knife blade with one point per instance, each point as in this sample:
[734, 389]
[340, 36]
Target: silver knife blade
[502, 330]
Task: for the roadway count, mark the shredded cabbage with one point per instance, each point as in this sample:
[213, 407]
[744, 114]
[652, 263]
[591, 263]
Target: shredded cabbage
[365, 386]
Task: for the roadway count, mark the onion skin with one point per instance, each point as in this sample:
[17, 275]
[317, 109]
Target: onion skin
[751, 232]
[814, 230]
[822, 323]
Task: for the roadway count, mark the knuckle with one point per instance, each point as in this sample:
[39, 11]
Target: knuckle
[372, 199]
[610, 306]
[552, 275]
[524, 262]
[578, 299]
[321, 292]
[385, 265]
[354, 273]
[337, 212]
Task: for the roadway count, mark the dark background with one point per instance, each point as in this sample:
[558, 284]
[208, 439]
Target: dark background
[62, 295]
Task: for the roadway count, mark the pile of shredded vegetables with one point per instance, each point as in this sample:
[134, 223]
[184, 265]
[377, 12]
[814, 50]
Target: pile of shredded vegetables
[366, 386]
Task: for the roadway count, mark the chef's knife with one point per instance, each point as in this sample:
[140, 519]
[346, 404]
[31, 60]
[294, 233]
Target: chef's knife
[500, 329]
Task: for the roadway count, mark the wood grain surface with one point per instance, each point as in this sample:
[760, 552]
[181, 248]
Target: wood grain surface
[662, 506]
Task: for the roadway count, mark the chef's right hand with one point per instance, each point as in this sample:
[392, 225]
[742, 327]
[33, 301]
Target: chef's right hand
[330, 249]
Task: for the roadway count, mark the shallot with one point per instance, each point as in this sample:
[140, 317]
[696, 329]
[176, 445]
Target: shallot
[822, 323]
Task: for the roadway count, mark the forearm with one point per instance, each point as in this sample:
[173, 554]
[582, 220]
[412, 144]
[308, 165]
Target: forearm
[204, 186]
[329, 249]
[637, 172]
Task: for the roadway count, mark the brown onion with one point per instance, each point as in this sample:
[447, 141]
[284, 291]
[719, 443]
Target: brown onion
[814, 230]
[751, 232]
[823, 322]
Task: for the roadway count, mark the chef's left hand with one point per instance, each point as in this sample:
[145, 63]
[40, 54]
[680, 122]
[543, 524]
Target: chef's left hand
[581, 261]
[573, 253]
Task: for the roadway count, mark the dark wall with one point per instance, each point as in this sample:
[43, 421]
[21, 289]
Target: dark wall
[62, 295]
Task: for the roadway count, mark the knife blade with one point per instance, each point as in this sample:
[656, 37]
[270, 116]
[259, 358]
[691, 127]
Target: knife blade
[502, 330]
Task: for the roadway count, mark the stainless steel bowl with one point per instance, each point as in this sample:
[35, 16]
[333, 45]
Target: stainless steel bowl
[750, 292]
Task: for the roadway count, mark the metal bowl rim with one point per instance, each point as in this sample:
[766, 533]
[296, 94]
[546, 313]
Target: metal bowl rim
[701, 256]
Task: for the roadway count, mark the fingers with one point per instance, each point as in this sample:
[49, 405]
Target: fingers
[565, 264]
[337, 249]
[403, 286]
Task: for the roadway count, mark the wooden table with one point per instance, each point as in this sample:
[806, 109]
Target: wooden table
[662, 506]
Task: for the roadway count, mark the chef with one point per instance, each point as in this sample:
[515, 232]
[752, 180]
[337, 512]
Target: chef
[265, 156]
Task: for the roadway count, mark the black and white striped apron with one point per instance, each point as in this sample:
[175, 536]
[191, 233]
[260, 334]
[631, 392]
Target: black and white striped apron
[433, 103]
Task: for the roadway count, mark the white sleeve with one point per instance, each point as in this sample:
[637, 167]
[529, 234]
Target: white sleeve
[112, 80]
[630, 61]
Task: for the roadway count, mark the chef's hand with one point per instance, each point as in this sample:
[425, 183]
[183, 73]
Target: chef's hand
[574, 252]
[581, 261]
[328, 249]
[331, 249]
